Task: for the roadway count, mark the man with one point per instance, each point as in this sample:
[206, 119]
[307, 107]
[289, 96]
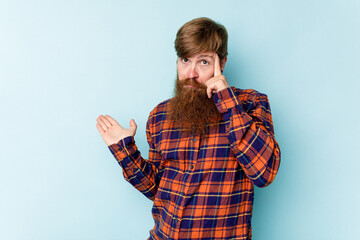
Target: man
[209, 145]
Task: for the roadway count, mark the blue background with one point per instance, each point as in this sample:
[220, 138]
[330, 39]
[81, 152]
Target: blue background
[62, 63]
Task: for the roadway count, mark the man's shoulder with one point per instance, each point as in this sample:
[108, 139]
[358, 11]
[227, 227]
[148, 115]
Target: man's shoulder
[162, 106]
[160, 109]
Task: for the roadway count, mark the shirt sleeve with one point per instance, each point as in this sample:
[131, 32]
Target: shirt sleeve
[250, 133]
[139, 172]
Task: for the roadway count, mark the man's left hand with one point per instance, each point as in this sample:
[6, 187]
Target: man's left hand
[218, 82]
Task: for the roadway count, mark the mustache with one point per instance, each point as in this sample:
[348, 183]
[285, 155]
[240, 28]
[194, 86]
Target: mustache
[192, 82]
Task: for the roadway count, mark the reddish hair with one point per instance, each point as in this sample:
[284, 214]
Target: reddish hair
[201, 35]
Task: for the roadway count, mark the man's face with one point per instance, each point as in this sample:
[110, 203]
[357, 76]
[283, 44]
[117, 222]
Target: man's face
[199, 68]
[191, 107]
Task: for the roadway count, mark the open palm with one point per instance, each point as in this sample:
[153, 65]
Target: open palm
[111, 131]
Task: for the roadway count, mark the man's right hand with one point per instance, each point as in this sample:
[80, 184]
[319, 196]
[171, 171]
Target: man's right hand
[111, 131]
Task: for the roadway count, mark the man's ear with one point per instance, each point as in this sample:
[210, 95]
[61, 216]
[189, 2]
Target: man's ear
[223, 62]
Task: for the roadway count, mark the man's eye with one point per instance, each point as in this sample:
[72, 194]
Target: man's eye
[204, 62]
[185, 60]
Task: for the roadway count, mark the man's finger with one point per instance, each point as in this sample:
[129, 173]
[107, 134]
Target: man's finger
[99, 128]
[217, 68]
[111, 120]
[133, 127]
[106, 121]
[209, 91]
[101, 122]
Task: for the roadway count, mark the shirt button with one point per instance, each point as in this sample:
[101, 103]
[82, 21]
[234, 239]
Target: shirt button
[182, 194]
[194, 139]
[191, 166]
[219, 100]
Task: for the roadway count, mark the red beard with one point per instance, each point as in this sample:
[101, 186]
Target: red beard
[191, 109]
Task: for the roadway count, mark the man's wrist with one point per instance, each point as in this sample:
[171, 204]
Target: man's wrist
[122, 144]
[225, 99]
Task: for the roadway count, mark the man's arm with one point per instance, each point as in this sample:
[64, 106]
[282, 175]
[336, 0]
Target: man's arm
[139, 172]
[250, 132]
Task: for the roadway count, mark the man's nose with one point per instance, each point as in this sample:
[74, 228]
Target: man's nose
[192, 73]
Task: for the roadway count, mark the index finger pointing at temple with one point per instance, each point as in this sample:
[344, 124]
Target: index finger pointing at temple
[217, 68]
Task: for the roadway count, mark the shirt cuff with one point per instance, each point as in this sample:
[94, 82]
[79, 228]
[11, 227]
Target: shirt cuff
[226, 99]
[125, 147]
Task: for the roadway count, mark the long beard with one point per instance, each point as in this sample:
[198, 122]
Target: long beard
[191, 109]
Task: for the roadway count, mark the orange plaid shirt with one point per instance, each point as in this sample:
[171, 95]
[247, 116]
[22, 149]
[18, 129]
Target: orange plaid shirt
[203, 187]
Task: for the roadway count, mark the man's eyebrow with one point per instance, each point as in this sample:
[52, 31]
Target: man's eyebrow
[205, 55]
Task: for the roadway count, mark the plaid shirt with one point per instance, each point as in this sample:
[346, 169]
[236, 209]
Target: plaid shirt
[203, 187]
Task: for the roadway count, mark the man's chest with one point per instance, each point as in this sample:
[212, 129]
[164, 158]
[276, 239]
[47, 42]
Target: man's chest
[182, 151]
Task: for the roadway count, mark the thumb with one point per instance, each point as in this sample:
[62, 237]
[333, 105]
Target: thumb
[133, 127]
